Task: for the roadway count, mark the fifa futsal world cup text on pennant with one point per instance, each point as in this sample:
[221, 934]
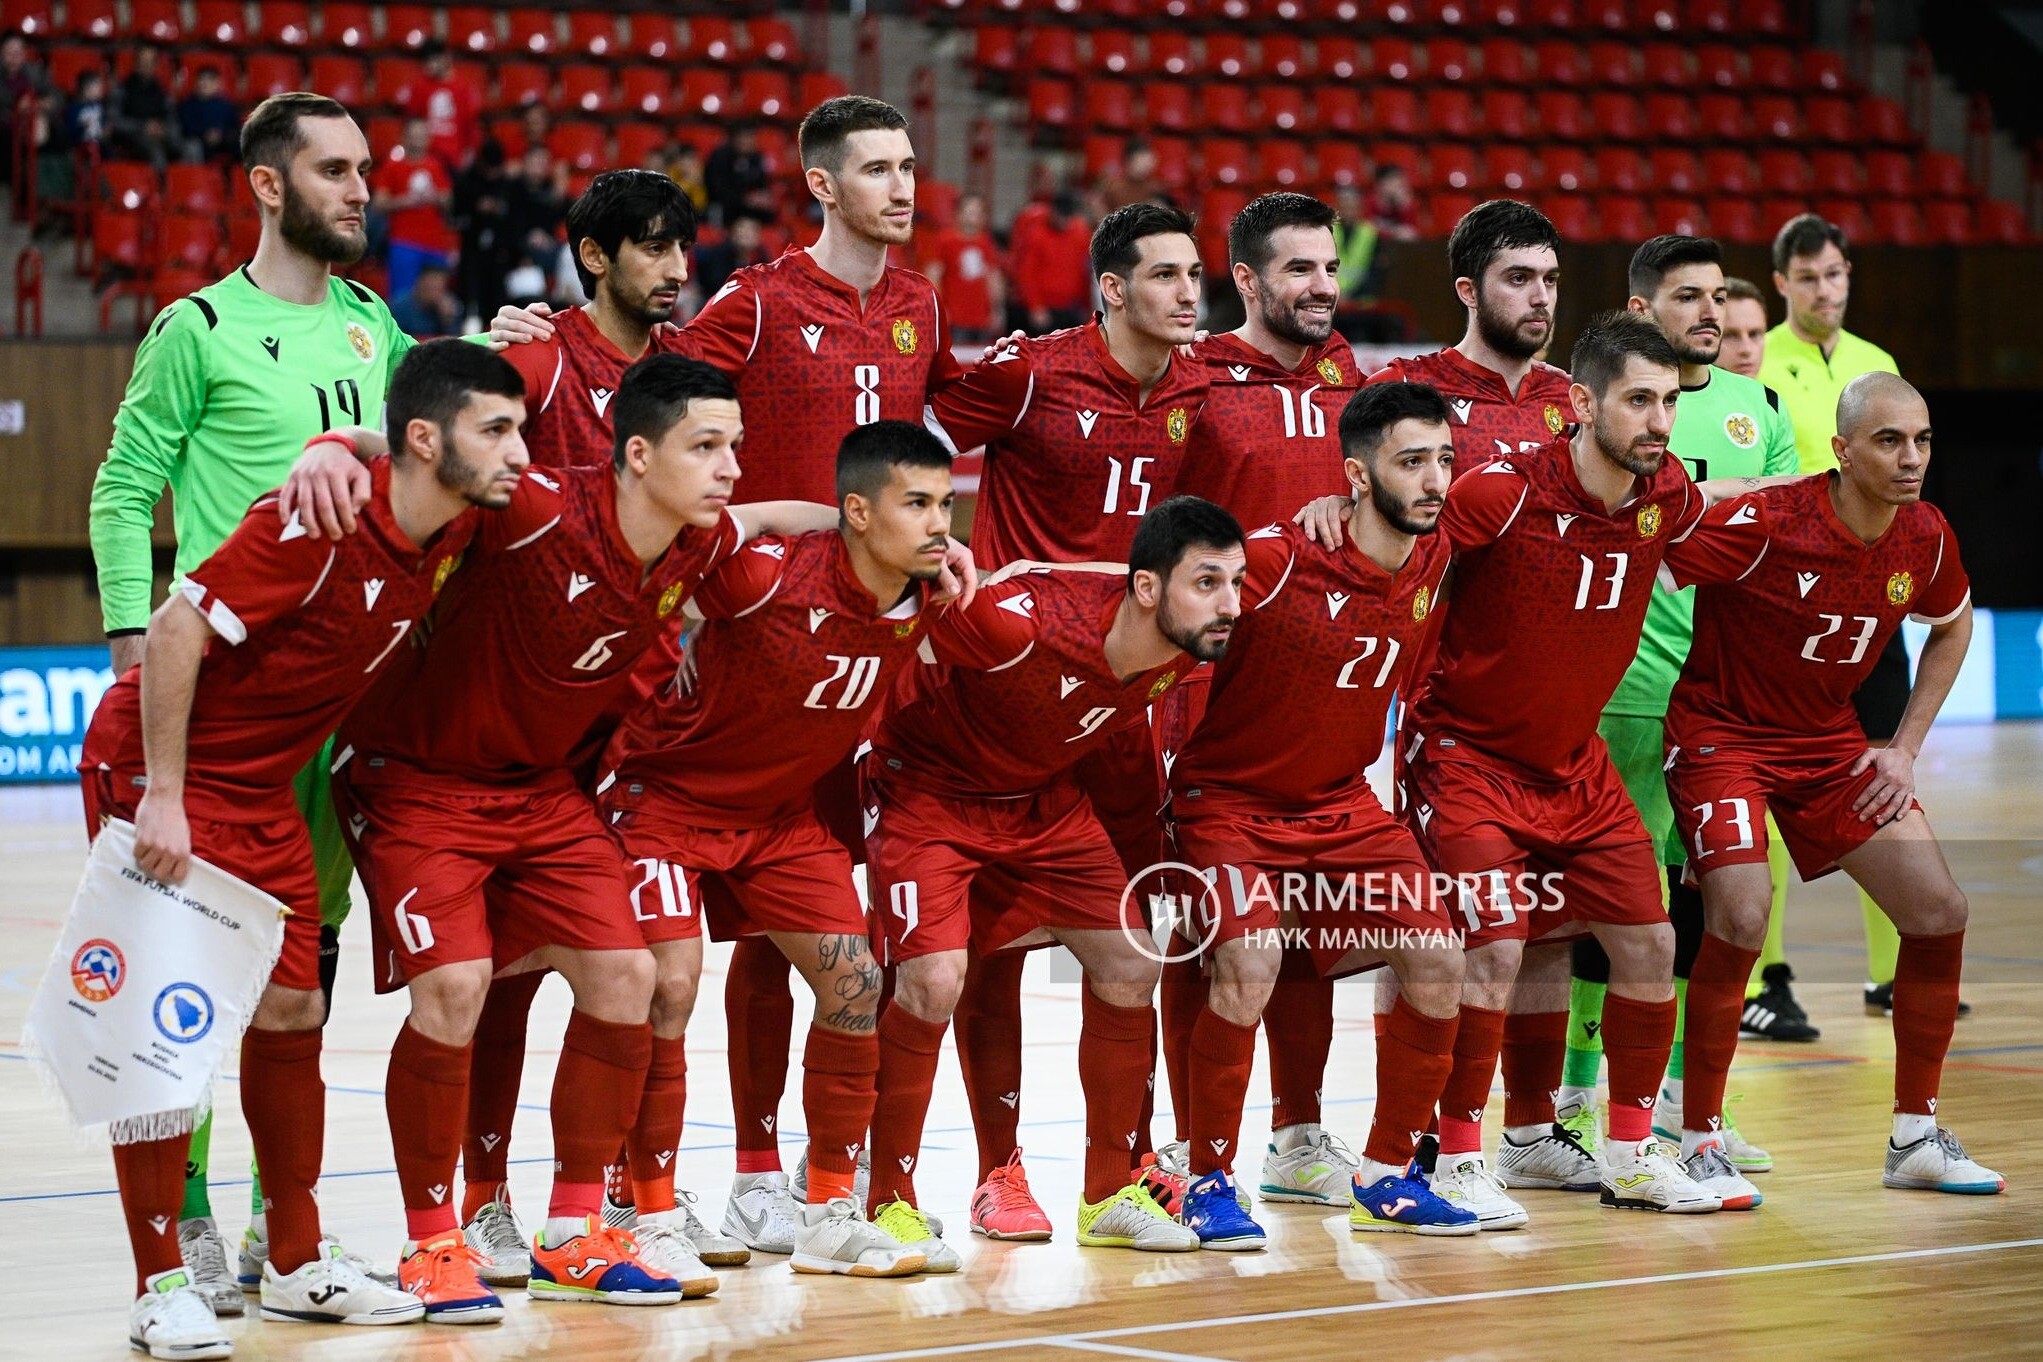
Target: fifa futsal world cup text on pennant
[149, 990]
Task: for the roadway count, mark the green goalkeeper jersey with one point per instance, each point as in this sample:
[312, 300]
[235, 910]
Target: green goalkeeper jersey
[228, 386]
[1730, 427]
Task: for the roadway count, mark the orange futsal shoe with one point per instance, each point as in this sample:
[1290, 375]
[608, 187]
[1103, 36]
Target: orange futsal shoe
[442, 1273]
[600, 1264]
[1005, 1208]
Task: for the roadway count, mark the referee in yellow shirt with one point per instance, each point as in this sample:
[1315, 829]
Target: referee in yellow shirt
[1809, 359]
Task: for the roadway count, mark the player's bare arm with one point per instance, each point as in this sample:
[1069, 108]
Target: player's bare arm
[1723, 489]
[1943, 653]
[176, 642]
[330, 481]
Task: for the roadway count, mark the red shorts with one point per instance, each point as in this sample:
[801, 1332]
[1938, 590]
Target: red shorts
[837, 805]
[951, 873]
[1722, 796]
[1342, 883]
[274, 855]
[788, 876]
[1177, 714]
[458, 874]
[1125, 783]
[1533, 860]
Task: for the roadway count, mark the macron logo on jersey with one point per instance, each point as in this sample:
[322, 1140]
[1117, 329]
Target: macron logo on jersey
[601, 397]
[1023, 605]
[771, 549]
[1462, 407]
[1240, 372]
[1561, 523]
[1086, 421]
[548, 483]
[1066, 685]
[1807, 581]
[1499, 465]
[816, 617]
[372, 589]
[1744, 515]
[577, 584]
[1335, 600]
[812, 336]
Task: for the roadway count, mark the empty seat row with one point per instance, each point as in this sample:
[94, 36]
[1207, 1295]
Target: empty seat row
[1688, 18]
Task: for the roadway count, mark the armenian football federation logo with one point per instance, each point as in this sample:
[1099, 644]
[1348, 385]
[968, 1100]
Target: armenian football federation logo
[1553, 418]
[669, 599]
[1422, 604]
[1900, 587]
[364, 343]
[1163, 684]
[1330, 371]
[98, 970]
[1742, 430]
[1176, 424]
[904, 335]
[1649, 522]
[444, 571]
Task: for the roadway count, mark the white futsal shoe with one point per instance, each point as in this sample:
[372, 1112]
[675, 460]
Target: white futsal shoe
[861, 1180]
[664, 1246]
[1555, 1162]
[835, 1238]
[172, 1321]
[1646, 1175]
[1319, 1172]
[1711, 1167]
[332, 1290]
[1938, 1163]
[205, 1258]
[762, 1213]
[506, 1249]
[1466, 1182]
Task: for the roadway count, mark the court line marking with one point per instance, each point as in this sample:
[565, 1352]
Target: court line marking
[1122, 1350]
[1092, 1336]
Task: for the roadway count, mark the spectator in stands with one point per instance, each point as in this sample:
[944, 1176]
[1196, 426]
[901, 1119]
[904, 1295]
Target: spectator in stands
[1134, 180]
[429, 308]
[21, 78]
[482, 215]
[1053, 268]
[451, 108]
[736, 177]
[964, 264]
[208, 124]
[741, 245]
[536, 130]
[1361, 273]
[78, 124]
[1744, 312]
[537, 208]
[684, 168]
[141, 110]
[413, 192]
[86, 121]
[1392, 207]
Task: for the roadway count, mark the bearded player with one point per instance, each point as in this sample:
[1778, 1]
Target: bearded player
[1761, 722]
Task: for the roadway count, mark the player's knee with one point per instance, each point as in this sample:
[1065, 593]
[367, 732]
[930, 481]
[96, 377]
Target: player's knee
[1437, 969]
[1640, 954]
[290, 1009]
[674, 989]
[1488, 973]
[1744, 926]
[930, 985]
[1943, 912]
[446, 1003]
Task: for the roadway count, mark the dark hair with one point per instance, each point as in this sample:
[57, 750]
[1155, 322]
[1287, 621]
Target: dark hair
[1377, 407]
[1610, 341]
[1743, 288]
[1487, 230]
[1652, 261]
[1173, 528]
[654, 394]
[1805, 235]
[868, 455]
[1249, 235]
[828, 127]
[271, 137]
[1114, 248]
[627, 205]
[431, 48]
[1388, 169]
[434, 381]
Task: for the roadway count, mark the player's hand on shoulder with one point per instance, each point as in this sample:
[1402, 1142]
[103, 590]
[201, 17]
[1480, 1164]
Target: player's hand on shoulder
[1011, 341]
[959, 580]
[1886, 796]
[520, 325]
[327, 486]
[163, 838]
[1325, 520]
[1190, 349]
[685, 673]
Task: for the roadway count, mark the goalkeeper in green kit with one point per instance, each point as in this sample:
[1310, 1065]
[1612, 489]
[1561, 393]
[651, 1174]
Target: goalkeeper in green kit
[228, 386]
[1725, 426]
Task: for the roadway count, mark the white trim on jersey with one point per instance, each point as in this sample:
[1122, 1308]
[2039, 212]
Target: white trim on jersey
[559, 367]
[331, 554]
[1512, 519]
[536, 534]
[771, 592]
[222, 620]
[1933, 623]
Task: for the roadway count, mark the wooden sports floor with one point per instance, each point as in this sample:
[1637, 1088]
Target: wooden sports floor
[1831, 1266]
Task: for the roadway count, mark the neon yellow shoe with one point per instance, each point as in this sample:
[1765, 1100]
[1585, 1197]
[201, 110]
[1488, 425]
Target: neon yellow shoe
[1130, 1218]
[911, 1229]
[1583, 1120]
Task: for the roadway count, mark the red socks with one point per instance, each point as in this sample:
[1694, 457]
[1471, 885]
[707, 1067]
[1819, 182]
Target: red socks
[654, 1141]
[284, 1101]
[1476, 1042]
[1298, 1030]
[1716, 998]
[426, 1095]
[151, 1178]
[988, 1022]
[1925, 1011]
[759, 1016]
[1534, 1053]
[908, 1049]
[839, 1074]
[596, 1092]
[1414, 1055]
[495, 1070]
[1222, 1055]
[1182, 998]
[1636, 1039]
[1113, 1063]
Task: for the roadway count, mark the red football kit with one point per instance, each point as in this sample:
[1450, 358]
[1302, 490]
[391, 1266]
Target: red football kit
[1488, 419]
[1761, 720]
[1325, 646]
[302, 623]
[811, 363]
[570, 378]
[471, 836]
[1269, 439]
[1505, 770]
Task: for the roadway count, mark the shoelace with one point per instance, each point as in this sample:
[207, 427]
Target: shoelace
[1569, 1138]
[691, 1224]
[1948, 1142]
[1330, 1149]
[450, 1260]
[1711, 1162]
[1008, 1188]
[185, 1309]
[498, 1228]
[206, 1251]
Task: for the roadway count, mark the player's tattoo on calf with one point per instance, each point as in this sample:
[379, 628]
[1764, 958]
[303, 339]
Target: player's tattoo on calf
[857, 984]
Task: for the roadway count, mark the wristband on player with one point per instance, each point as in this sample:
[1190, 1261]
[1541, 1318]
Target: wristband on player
[344, 441]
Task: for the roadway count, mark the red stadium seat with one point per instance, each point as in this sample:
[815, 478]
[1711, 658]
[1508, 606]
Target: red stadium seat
[996, 48]
[1884, 122]
[1507, 113]
[1675, 170]
[1782, 171]
[1342, 59]
[1728, 170]
[346, 25]
[1566, 168]
[1172, 54]
[1340, 162]
[1947, 222]
[1217, 208]
[641, 145]
[1510, 168]
[285, 25]
[1443, 209]
[774, 40]
[1167, 105]
[1339, 109]
[395, 79]
[1825, 71]
[1112, 50]
[1679, 214]
[816, 87]
[1717, 66]
[1890, 174]
[1622, 217]
[1612, 16]
[1506, 62]
[704, 93]
[1449, 59]
[1849, 214]
[1939, 174]
[531, 31]
[1281, 161]
[1228, 54]
[711, 38]
[646, 90]
[1226, 108]
[1451, 112]
[1613, 63]
[1617, 117]
[1396, 59]
[1620, 170]
[577, 145]
[1667, 65]
[341, 78]
[1711, 16]
[89, 19]
[385, 134]
[588, 88]
[272, 73]
[472, 29]
[1228, 161]
[653, 35]
[155, 21]
[2002, 224]
[68, 64]
[1722, 117]
[1661, 16]
[1836, 172]
[1174, 160]
[220, 21]
[1764, 16]
[1051, 51]
[522, 82]
[407, 27]
[1394, 110]
[1286, 57]
[195, 189]
[1282, 107]
[226, 65]
[1777, 117]
[1570, 215]
[1050, 103]
[767, 94]
[30, 18]
[127, 186]
[1897, 222]
[1102, 151]
[1830, 119]
[1556, 61]
[1560, 15]
[1738, 222]
[191, 242]
[1670, 118]
[1562, 115]
[116, 244]
[1455, 166]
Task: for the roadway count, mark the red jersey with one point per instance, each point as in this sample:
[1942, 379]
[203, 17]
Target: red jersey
[1487, 420]
[422, 225]
[1048, 701]
[1052, 262]
[810, 363]
[1325, 646]
[1083, 455]
[1269, 439]
[533, 646]
[570, 378]
[453, 113]
[302, 623]
[969, 263]
[793, 658]
[1780, 652]
[1549, 596]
